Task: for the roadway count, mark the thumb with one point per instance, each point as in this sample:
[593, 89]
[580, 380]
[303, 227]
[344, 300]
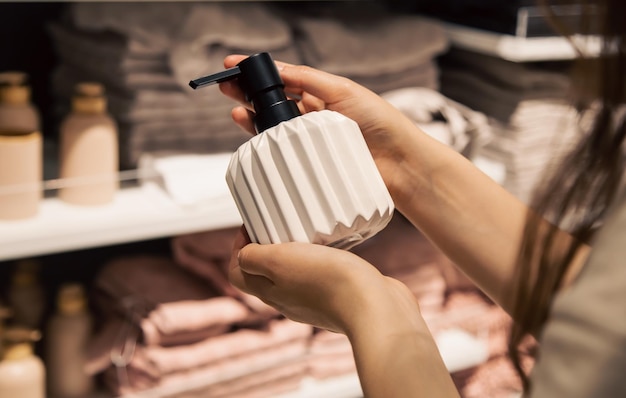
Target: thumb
[256, 259]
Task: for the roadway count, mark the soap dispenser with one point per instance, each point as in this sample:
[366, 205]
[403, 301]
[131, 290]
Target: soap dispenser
[304, 177]
[22, 373]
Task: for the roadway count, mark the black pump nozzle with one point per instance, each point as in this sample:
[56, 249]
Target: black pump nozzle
[261, 83]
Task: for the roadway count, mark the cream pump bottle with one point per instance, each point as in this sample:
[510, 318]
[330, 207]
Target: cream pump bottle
[304, 177]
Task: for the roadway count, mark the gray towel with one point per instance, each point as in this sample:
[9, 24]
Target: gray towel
[214, 30]
[153, 25]
[370, 46]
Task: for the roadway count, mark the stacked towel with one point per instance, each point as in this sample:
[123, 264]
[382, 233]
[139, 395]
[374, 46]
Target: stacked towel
[472, 313]
[402, 252]
[532, 121]
[217, 362]
[145, 55]
[377, 48]
[448, 121]
[164, 327]
[329, 355]
[206, 255]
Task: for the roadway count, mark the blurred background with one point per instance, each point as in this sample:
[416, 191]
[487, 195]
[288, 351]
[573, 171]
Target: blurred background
[115, 221]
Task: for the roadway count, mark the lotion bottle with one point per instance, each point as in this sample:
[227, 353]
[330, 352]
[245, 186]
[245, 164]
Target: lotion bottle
[88, 149]
[21, 173]
[304, 177]
[66, 336]
[22, 373]
[17, 113]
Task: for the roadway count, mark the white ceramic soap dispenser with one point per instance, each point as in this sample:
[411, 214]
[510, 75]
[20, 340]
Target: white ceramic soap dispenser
[305, 177]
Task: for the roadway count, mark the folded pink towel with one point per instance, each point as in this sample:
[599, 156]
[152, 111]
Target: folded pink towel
[131, 379]
[207, 255]
[163, 300]
[159, 361]
[330, 355]
[267, 383]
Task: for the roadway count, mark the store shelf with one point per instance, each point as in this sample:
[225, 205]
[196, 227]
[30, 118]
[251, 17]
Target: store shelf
[520, 49]
[138, 213]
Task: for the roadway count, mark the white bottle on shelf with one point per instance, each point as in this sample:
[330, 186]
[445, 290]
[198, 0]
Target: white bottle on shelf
[26, 295]
[22, 373]
[66, 336]
[89, 149]
[306, 178]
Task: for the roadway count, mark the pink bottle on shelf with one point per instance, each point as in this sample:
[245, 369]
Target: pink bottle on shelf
[89, 149]
[21, 149]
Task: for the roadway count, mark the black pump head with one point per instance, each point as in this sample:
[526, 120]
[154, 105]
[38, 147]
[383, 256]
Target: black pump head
[261, 83]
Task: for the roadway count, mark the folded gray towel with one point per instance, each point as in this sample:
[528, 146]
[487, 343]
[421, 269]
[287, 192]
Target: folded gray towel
[107, 46]
[216, 29]
[514, 76]
[371, 45]
[425, 75]
[154, 25]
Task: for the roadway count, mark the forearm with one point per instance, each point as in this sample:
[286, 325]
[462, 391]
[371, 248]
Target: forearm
[396, 355]
[470, 217]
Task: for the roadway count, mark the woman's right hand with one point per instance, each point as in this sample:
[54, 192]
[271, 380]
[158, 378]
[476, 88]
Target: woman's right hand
[385, 128]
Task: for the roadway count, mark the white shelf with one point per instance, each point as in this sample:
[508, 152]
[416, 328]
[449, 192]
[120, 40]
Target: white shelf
[139, 213]
[520, 49]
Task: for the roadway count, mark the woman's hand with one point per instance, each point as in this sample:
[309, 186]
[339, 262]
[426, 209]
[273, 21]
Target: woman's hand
[336, 290]
[385, 128]
[329, 288]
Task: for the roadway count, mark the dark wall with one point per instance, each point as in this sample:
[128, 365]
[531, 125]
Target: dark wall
[26, 46]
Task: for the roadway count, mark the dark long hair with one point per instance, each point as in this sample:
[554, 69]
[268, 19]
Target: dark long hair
[577, 194]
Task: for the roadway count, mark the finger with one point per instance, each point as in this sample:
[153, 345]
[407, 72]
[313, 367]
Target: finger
[311, 103]
[299, 79]
[243, 118]
[256, 285]
[233, 59]
[231, 89]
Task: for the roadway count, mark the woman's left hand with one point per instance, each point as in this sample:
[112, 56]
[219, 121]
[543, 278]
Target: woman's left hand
[323, 286]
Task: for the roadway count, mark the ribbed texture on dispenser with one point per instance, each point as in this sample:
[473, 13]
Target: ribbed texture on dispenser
[307, 180]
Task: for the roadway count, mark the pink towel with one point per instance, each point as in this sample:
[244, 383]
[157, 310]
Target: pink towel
[330, 355]
[159, 361]
[163, 300]
[207, 255]
[131, 379]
